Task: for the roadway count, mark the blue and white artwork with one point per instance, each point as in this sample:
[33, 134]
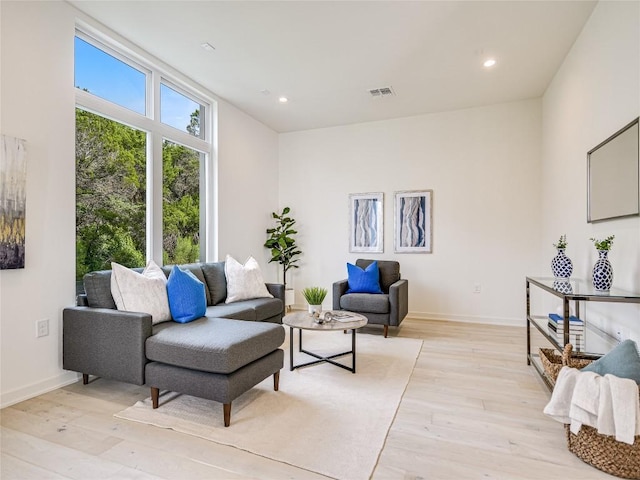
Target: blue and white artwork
[413, 232]
[13, 199]
[366, 223]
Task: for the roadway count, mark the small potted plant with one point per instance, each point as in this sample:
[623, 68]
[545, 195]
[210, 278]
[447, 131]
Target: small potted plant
[561, 265]
[602, 270]
[314, 297]
[562, 242]
[605, 244]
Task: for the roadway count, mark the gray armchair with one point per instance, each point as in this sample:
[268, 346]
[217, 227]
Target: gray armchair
[388, 308]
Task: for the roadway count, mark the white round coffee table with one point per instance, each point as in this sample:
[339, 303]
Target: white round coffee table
[304, 321]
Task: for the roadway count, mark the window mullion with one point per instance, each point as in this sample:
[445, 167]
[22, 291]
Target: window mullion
[155, 165]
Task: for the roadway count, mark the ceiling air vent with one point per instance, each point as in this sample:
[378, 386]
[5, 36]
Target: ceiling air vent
[381, 92]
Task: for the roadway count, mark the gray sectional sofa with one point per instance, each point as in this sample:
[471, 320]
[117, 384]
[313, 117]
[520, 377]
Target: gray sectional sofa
[219, 356]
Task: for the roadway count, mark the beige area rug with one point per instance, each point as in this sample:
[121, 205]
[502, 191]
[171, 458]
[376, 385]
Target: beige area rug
[323, 418]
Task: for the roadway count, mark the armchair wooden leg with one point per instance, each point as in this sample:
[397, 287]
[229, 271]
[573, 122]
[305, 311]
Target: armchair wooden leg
[226, 407]
[155, 394]
[386, 331]
[276, 380]
[85, 378]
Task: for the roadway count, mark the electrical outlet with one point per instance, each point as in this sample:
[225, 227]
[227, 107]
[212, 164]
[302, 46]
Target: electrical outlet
[477, 288]
[42, 327]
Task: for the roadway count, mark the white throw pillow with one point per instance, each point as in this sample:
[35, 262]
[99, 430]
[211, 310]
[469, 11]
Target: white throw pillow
[144, 292]
[244, 281]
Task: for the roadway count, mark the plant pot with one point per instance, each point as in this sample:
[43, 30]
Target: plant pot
[602, 272]
[289, 297]
[561, 266]
[315, 310]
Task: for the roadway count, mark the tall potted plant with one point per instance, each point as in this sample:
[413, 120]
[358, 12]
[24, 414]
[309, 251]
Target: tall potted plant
[282, 244]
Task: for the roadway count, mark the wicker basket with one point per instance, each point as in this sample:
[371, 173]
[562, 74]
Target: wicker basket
[600, 451]
[605, 453]
[553, 363]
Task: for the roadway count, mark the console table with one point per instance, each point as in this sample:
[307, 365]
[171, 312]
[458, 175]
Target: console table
[572, 290]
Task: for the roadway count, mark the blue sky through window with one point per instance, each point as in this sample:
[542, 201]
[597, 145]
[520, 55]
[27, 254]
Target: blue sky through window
[175, 108]
[114, 80]
[109, 78]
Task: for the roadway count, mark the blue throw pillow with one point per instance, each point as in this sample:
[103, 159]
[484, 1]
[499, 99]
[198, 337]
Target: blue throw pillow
[623, 362]
[364, 281]
[187, 300]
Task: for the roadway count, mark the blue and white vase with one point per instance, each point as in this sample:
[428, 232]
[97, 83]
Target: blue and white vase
[562, 286]
[602, 272]
[561, 265]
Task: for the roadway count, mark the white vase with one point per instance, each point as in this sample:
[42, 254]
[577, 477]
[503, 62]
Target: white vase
[315, 309]
[289, 297]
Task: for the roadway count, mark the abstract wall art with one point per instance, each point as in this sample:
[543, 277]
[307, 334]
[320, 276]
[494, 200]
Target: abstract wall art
[13, 199]
[413, 218]
[366, 222]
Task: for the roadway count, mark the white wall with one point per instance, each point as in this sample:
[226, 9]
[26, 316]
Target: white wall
[248, 186]
[38, 104]
[483, 165]
[595, 93]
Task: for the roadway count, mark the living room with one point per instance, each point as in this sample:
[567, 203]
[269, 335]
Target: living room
[508, 179]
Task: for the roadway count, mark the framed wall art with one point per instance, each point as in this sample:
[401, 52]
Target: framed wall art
[613, 170]
[413, 232]
[13, 199]
[366, 232]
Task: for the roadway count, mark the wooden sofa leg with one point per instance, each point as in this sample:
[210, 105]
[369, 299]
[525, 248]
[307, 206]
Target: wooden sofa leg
[85, 378]
[276, 380]
[226, 407]
[155, 394]
[386, 331]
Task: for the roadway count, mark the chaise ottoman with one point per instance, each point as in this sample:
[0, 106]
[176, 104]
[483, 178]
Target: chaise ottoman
[214, 358]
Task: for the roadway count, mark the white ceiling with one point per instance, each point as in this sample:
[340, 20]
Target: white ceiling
[325, 56]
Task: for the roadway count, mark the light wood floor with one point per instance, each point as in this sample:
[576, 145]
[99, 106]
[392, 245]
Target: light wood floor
[472, 410]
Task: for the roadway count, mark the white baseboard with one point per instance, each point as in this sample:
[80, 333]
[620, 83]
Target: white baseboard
[24, 393]
[502, 321]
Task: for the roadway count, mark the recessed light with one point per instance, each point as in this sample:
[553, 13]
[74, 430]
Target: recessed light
[489, 63]
[283, 99]
[208, 47]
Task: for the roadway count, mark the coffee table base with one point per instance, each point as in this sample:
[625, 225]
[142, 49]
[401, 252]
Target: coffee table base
[320, 358]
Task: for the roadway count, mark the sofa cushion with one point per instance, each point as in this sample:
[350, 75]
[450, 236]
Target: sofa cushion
[365, 280]
[365, 302]
[216, 281]
[216, 345]
[187, 298]
[244, 281]
[389, 271]
[97, 286]
[265, 307]
[256, 309]
[193, 268]
[144, 292]
[623, 362]
[237, 311]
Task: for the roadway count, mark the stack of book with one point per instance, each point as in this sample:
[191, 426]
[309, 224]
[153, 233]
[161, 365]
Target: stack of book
[576, 330]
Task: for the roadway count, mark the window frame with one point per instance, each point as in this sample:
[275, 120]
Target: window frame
[157, 132]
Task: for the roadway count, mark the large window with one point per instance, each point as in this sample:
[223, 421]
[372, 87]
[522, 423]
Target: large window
[110, 193]
[142, 169]
[180, 203]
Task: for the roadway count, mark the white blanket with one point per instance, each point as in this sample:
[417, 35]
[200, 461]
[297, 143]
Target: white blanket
[608, 404]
